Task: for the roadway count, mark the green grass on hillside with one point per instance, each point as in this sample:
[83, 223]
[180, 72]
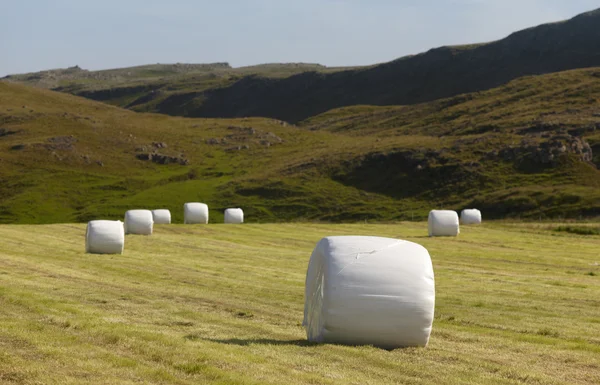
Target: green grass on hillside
[532, 104]
[581, 230]
[141, 88]
[222, 304]
[68, 159]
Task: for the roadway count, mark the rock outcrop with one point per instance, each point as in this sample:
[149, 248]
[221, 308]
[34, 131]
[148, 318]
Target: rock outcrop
[163, 159]
[546, 153]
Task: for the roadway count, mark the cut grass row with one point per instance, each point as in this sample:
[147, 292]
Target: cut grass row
[515, 304]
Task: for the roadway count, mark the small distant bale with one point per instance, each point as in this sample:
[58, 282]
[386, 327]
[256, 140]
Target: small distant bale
[195, 213]
[443, 223]
[104, 237]
[470, 217]
[161, 216]
[139, 222]
[235, 216]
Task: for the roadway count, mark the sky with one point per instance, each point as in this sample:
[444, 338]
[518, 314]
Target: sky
[45, 34]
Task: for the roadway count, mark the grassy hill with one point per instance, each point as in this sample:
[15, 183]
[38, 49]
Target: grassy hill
[76, 79]
[113, 77]
[523, 150]
[142, 88]
[515, 304]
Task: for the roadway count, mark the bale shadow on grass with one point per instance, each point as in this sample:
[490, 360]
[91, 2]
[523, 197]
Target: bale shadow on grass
[263, 341]
[300, 343]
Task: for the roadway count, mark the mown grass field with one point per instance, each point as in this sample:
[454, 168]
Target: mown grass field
[516, 304]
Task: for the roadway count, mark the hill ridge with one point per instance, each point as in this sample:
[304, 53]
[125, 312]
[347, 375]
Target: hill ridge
[297, 91]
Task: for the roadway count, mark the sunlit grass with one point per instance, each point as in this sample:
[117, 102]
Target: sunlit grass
[321, 174]
[223, 304]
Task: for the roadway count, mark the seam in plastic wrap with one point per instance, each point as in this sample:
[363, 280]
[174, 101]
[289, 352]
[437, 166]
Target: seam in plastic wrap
[368, 253]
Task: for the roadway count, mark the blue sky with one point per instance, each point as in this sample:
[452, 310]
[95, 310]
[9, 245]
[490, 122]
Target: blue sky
[37, 35]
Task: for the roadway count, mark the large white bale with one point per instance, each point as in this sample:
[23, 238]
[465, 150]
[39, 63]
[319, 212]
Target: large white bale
[104, 237]
[138, 222]
[195, 212]
[470, 217]
[369, 291]
[443, 223]
[161, 216]
[234, 216]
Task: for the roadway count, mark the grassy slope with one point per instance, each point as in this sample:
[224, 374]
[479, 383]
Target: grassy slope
[84, 79]
[77, 79]
[516, 304]
[316, 173]
[145, 88]
[471, 126]
[46, 184]
[568, 99]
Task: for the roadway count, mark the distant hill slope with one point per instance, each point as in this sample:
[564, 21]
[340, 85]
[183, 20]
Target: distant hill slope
[297, 91]
[436, 74]
[527, 149]
[89, 79]
[122, 86]
[144, 88]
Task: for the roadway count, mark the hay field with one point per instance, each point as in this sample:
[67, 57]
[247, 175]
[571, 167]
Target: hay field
[516, 304]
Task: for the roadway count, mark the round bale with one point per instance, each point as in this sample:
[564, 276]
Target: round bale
[195, 213]
[443, 223]
[369, 291]
[104, 237]
[470, 217]
[235, 216]
[138, 222]
[161, 217]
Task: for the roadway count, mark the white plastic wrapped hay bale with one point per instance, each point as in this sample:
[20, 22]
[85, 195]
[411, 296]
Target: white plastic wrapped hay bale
[234, 216]
[369, 291]
[470, 217]
[195, 213]
[443, 223]
[161, 217]
[139, 222]
[104, 237]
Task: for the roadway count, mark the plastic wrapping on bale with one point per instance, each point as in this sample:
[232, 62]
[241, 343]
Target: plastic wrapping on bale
[138, 222]
[104, 237]
[369, 291]
[161, 217]
[234, 216]
[195, 213]
[443, 223]
[470, 217]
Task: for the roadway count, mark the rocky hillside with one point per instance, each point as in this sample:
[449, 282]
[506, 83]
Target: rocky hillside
[527, 149]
